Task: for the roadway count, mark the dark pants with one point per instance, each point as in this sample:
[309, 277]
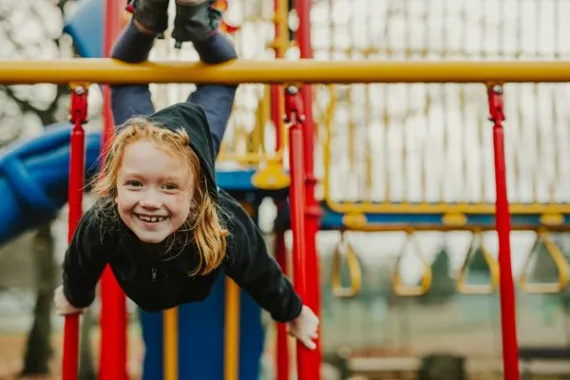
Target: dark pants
[217, 101]
[135, 100]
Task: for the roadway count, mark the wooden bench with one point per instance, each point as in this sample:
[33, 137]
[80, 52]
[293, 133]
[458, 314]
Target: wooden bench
[544, 360]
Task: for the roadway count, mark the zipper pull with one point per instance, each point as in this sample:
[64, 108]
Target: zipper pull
[153, 274]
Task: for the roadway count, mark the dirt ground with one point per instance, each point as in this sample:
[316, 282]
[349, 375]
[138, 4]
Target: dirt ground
[12, 352]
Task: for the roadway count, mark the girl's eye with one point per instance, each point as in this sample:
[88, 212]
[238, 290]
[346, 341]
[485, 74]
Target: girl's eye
[170, 186]
[134, 183]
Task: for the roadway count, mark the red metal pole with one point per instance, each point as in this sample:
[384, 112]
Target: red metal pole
[113, 347]
[503, 217]
[78, 116]
[306, 359]
[312, 210]
[282, 351]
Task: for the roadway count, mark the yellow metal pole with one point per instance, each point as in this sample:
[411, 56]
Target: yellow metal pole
[231, 354]
[231, 349]
[170, 334]
[550, 212]
[109, 71]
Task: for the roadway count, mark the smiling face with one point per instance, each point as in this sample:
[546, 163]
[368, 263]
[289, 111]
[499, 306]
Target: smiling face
[153, 191]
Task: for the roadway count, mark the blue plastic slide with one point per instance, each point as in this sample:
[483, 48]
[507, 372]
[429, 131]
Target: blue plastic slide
[34, 178]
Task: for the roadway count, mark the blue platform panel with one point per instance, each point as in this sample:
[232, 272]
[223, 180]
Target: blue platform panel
[201, 338]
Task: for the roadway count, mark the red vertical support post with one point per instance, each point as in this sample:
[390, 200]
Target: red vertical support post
[312, 209]
[503, 221]
[78, 117]
[113, 347]
[307, 368]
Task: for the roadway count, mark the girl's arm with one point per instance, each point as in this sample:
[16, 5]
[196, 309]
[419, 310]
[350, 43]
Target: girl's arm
[250, 266]
[84, 261]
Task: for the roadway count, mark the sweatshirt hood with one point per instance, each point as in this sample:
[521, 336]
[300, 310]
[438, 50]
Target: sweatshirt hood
[192, 119]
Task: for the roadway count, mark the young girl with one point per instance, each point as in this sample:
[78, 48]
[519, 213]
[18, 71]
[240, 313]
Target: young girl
[161, 223]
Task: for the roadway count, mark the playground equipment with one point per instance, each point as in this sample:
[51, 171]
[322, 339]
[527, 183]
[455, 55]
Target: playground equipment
[354, 270]
[307, 366]
[271, 72]
[78, 117]
[425, 281]
[542, 237]
[466, 288]
[34, 178]
[359, 209]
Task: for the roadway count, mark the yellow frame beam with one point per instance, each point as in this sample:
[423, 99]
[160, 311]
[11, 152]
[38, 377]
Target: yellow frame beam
[108, 71]
[170, 341]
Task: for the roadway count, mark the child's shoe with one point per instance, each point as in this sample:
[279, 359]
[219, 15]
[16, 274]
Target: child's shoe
[195, 21]
[151, 14]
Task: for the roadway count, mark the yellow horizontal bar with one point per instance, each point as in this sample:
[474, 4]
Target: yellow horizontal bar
[107, 71]
[403, 227]
[444, 208]
[251, 157]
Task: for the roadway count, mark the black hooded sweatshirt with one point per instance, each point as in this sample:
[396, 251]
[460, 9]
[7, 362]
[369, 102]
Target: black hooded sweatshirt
[156, 283]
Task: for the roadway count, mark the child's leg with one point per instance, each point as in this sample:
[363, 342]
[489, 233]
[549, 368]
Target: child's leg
[217, 100]
[130, 100]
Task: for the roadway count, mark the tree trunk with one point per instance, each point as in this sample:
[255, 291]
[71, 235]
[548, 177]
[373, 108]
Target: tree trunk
[38, 349]
[86, 367]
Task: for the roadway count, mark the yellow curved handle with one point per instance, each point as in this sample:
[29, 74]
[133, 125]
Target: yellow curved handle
[462, 285]
[271, 177]
[424, 286]
[354, 271]
[543, 237]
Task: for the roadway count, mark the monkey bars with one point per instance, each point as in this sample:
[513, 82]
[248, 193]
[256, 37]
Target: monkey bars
[109, 71]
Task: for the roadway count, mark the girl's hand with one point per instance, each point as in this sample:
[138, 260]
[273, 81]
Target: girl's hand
[305, 327]
[62, 305]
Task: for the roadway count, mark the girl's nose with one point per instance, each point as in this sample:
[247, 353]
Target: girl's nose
[150, 204]
[151, 200]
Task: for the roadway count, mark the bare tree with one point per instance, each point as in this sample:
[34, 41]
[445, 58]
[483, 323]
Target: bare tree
[31, 29]
[38, 350]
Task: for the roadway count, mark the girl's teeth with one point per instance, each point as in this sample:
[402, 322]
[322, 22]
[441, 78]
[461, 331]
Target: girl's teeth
[151, 219]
